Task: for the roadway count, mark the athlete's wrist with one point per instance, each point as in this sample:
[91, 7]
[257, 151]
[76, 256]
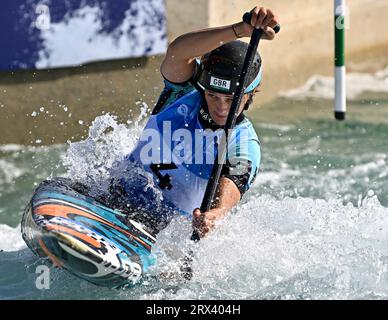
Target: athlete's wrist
[239, 30]
[218, 212]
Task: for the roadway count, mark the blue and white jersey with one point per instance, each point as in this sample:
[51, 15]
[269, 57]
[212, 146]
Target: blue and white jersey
[178, 148]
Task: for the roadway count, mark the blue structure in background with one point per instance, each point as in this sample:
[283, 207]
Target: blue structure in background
[30, 38]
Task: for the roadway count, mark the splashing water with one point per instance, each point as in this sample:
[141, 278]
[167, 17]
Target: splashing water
[90, 160]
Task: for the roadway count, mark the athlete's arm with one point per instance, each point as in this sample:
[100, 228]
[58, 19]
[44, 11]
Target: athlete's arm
[179, 65]
[228, 195]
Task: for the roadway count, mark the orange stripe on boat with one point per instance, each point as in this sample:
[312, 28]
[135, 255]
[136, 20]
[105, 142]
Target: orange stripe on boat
[61, 210]
[77, 234]
[53, 258]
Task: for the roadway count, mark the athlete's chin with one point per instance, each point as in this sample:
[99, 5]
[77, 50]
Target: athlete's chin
[220, 120]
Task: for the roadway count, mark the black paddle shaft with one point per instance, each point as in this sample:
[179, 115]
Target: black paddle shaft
[212, 185]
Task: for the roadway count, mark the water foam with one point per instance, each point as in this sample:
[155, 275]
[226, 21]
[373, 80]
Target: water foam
[322, 87]
[325, 180]
[108, 141]
[9, 171]
[293, 248]
[289, 249]
[12, 147]
[11, 238]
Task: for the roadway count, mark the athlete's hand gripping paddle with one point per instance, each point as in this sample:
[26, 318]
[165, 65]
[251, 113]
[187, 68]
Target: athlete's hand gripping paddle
[229, 125]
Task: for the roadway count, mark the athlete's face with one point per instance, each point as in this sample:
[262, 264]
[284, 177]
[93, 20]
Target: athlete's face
[219, 105]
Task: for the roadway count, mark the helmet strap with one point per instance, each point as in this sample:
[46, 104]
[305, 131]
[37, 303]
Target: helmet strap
[249, 102]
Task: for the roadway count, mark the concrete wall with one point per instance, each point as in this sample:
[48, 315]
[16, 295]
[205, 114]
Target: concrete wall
[73, 94]
[303, 47]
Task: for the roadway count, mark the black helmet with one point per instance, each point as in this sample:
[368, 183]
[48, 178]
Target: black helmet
[220, 69]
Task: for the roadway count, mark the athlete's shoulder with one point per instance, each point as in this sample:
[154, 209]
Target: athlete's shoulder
[171, 99]
[244, 156]
[246, 127]
[173, 91]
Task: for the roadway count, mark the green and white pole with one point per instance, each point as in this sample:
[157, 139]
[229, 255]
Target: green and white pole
[340, 70]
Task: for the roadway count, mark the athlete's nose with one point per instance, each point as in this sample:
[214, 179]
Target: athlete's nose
[223, 106]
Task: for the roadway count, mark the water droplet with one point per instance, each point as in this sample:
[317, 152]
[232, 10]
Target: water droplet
[80, 122]
[34, 114]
